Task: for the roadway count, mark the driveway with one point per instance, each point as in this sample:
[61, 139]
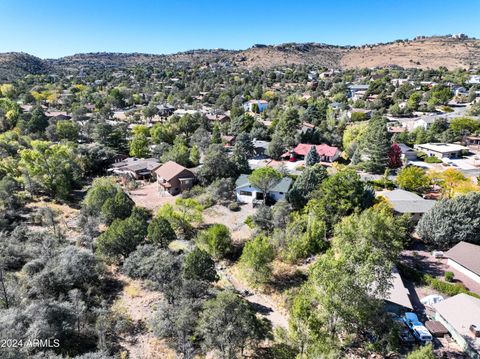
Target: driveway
[147, 195]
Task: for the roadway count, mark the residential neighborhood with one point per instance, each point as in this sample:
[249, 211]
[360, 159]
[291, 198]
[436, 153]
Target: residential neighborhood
[282, 201]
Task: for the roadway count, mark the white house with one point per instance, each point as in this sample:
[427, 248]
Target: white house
[262, 105]
[246, 193]
[474, 79]
[465, 258]
[354, 89]
[441, 150]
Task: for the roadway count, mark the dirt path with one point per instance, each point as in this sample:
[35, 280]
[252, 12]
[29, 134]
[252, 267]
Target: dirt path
[262, 303]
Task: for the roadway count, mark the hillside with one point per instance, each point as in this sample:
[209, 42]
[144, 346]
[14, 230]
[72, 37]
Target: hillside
[14, 64]
[430, 52]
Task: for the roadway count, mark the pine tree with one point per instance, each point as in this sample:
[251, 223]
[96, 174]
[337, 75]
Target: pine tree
[375, 146]
[312, 156]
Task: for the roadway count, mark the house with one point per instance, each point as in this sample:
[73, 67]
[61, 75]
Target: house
[460, 314]
[229, 141]
[407, 202]
[397, 300]
[165, 110]
[408, 153]
[442, 150]
[307, 127]
[246, 193]
[327, 153]
[359, 112]
[459, 91]
[473, 141]
[182, 112]
[135, 168]
[465, 258]
[353, 89]
[217, 117]
[261, 105]
[474, 80]
[260, 147]
[173, 178]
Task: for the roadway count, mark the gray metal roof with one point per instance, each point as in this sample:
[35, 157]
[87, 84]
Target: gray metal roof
[407, 202]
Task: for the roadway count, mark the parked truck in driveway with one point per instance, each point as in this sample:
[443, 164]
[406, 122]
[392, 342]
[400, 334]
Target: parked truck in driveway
[419, 331]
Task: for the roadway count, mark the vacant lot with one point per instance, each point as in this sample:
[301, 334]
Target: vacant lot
[235, 221]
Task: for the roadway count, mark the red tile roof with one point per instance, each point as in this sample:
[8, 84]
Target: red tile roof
[323, 149]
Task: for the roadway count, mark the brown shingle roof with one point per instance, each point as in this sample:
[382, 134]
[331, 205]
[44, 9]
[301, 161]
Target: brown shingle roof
[170, 170]
[467, 255]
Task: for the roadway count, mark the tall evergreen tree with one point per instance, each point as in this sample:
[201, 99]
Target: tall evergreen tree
[312, 156]
[375, 146]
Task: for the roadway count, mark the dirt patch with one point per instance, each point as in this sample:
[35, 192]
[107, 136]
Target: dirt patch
[139, 304]
[235, 221]
[148, 196]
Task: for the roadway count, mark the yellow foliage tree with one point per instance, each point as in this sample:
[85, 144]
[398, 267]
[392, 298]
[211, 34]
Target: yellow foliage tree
[453, 182]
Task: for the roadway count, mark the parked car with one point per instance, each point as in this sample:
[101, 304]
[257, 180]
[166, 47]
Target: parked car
[417, 328]
[437, 254]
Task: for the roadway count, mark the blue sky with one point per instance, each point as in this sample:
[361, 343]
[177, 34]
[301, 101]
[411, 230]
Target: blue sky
[57, 28]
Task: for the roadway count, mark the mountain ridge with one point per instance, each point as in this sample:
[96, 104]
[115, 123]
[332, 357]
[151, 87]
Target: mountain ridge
[421, 52]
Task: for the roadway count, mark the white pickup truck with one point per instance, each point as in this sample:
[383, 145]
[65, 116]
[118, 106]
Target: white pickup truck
[422, 334]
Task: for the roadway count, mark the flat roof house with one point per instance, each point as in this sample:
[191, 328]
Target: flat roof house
[465, 257]
[441, 150]
[327, 153]
[246, 193]
[459, 314]
[173, 178]
[408, 202]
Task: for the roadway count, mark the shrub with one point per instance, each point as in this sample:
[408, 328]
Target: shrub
[449, 276]
[446, 288]
[215, 240]
[234, 207]
[432, 159]
[249, 221]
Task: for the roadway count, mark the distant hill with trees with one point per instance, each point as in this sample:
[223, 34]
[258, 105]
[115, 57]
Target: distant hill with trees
[422, 52]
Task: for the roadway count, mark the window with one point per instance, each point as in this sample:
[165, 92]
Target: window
[245, 193]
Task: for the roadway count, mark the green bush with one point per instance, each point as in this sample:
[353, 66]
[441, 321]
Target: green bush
[234, 207]
[446, 288]
[449, 276]
[449, 289]
[432, 159]
[381, 184]
[249, 221]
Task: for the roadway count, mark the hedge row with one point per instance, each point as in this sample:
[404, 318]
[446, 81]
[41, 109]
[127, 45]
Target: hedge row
[441, 286]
